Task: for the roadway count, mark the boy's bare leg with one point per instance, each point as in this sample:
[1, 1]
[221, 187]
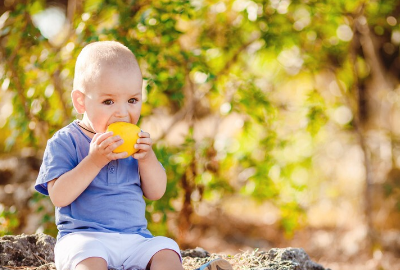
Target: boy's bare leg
[165, 259]
[93, 263]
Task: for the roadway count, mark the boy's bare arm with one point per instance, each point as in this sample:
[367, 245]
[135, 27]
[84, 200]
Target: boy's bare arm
[65, 189]
[152, 174]
[153, 177]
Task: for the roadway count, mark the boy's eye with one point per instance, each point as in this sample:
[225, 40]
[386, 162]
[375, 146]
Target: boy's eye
[108, 102]
[132, 100]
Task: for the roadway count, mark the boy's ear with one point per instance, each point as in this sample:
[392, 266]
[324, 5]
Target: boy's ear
[78, 99]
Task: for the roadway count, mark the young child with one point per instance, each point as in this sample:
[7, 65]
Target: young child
[98, 194]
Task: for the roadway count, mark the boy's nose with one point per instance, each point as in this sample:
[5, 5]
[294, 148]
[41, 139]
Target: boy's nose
[122, 111]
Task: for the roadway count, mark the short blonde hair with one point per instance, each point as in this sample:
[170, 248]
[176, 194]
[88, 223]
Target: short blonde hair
[96, 56]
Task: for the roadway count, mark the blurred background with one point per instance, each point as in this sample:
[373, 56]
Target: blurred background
[277, 120]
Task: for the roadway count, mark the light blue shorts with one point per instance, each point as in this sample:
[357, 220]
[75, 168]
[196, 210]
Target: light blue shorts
[120, 251]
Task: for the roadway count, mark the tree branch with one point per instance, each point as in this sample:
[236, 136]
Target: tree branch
[190, 103]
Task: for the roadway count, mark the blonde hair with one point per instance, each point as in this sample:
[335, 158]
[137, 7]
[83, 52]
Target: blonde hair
[96, 56]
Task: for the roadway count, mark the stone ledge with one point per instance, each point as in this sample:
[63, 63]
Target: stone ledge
[27, 252]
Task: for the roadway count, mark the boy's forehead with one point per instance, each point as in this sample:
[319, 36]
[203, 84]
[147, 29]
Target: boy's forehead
[110, 80]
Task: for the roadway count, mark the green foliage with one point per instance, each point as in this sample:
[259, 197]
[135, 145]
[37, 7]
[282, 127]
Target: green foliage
[43, 207]
[8, 220]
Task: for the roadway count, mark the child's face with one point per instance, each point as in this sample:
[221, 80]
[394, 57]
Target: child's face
[115, 97]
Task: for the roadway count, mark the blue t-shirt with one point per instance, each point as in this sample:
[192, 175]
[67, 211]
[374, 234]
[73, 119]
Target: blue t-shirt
[113, 202]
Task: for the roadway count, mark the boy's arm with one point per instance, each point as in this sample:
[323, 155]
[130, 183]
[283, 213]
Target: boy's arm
[152, 174]
[65, 189]
[153, 177]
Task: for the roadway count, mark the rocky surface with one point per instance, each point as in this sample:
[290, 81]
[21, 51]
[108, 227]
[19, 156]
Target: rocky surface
[195, 253]
[33, 251]
[36, 252]
[290, 259]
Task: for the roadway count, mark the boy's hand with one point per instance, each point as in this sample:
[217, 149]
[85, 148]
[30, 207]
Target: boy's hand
[102, 147]
[144, 144]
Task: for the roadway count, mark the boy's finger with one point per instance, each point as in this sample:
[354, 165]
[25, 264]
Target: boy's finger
[119, 155]
[138, 155]
[144, 141]
[112, 142]
[142, 146]
[103, 136]
[143, 134]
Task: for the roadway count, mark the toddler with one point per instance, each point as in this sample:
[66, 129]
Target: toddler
[98, 194]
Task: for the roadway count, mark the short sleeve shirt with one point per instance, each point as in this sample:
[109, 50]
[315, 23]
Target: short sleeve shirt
[113, 202]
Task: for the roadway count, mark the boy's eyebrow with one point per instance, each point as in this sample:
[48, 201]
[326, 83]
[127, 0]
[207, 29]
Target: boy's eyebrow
[107, 94]
[114, 95]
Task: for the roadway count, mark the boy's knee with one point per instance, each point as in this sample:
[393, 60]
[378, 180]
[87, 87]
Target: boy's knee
[95, 263]
[165, 257]
[167, 253]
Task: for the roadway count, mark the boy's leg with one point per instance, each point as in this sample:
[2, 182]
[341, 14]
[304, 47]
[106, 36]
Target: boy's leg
[165, 259]
[150, 253]
[93, 263]
[75, 248]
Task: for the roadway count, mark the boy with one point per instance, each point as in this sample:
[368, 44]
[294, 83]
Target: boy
[98, 194]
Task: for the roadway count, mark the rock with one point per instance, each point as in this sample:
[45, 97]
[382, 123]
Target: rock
[34, 250]
[290, 259]
[27, 252]
[195, 253]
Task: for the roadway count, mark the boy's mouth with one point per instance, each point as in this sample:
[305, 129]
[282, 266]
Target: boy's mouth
[119, 121]
[126, 121]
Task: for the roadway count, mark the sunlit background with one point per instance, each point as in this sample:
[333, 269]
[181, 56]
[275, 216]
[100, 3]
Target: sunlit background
[278, 119]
